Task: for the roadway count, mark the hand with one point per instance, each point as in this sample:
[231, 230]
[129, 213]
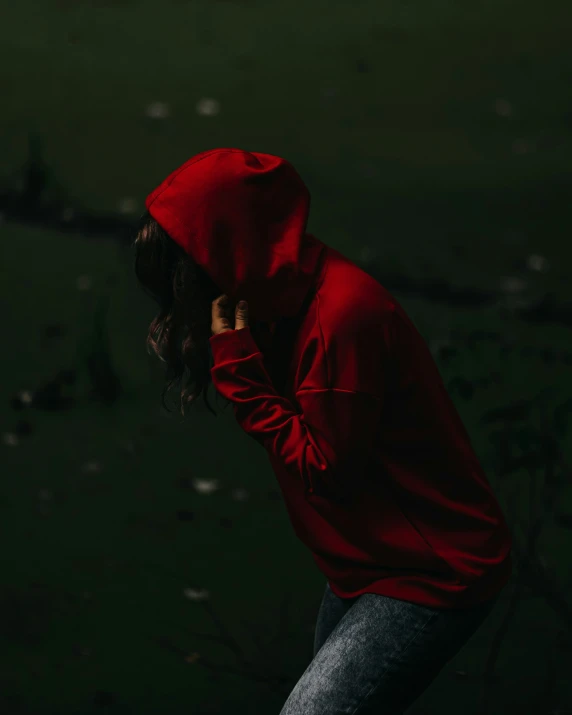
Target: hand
[220, 322]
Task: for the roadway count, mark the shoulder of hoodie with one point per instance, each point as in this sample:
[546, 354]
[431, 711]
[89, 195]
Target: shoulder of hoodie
[355, 317]
[351, 300]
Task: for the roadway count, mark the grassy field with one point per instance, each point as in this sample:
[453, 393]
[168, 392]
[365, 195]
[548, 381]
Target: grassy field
[436, 142]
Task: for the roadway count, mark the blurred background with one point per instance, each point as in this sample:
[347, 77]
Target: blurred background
[148, 563]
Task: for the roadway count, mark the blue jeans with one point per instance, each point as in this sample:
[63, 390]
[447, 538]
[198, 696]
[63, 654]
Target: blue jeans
[374, 654]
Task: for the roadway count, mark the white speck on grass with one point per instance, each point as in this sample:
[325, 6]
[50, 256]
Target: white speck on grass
[239, 494]
[91, 467]
[158, 110]
[84, 282]
[538, 263]
[207, 107]
[205, 486]
[511, 284]
[10, 438]
[26, 396]
[194, 594]
[127, 205]
[503, 108]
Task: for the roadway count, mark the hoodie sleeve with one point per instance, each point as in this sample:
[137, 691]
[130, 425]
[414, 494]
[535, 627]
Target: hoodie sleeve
[323, 442]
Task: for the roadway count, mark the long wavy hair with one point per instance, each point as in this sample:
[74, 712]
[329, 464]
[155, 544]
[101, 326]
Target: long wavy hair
[179, 334]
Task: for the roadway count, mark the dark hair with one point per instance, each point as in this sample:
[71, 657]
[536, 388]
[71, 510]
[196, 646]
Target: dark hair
[180, 332]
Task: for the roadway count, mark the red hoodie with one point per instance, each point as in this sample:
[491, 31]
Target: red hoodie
[377, 471]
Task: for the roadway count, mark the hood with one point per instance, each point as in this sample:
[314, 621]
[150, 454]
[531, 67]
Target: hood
[242, 217]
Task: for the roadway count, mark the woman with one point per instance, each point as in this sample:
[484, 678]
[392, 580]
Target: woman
[377, 471]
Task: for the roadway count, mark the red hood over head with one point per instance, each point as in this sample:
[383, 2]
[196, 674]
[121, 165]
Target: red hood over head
[242, 217]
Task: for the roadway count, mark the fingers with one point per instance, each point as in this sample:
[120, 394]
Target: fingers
[221, 314]
[220, 319]
[241, 315]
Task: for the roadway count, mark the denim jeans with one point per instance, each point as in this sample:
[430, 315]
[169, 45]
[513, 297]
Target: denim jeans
[374, 654]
